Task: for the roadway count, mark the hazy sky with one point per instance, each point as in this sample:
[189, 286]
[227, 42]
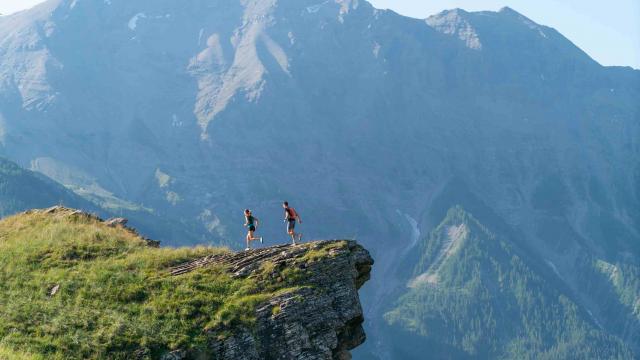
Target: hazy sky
[609, 30]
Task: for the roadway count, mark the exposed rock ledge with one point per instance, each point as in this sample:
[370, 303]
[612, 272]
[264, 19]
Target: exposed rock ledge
[322, 319]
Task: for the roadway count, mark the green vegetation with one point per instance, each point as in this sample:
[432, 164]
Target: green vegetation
[488, 302]
[114, 295]
[9, 354]
[322, 252]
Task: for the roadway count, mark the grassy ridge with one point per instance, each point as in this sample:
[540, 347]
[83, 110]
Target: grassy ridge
[115, 297]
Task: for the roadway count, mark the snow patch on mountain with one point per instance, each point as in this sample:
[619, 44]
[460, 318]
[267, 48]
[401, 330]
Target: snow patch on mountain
[376, 49]
[315, 8]
[554, 268]
[200, 34]
[133, 22]
[415, 230]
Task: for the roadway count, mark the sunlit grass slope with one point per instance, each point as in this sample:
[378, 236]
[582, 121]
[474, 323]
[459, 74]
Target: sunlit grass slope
[114, 297]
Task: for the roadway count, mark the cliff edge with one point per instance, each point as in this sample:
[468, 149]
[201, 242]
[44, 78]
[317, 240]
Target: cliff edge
[76, 286]
[320, 319]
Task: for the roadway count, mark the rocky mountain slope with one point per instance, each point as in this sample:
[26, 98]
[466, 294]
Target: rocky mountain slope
[74, 286]
[372, 124]
[475, 294]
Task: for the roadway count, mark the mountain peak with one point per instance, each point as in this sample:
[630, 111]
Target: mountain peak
[456, 23]
[507, 11]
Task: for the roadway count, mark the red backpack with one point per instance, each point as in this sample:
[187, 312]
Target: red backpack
[292, 213]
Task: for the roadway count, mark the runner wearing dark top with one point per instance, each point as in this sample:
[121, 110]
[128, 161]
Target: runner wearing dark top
[251, 223]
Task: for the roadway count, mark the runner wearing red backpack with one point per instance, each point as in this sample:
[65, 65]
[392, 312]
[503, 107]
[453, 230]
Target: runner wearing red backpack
[290, 217]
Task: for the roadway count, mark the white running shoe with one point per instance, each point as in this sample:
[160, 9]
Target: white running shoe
[247, 249]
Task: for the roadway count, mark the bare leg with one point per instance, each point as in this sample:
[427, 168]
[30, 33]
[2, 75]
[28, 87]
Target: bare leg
[250, 237]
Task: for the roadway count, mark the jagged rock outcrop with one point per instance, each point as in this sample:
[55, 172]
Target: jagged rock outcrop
[320, 319]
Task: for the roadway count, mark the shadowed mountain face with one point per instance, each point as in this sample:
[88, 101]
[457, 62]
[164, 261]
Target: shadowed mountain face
[22, 190]
[372, 124]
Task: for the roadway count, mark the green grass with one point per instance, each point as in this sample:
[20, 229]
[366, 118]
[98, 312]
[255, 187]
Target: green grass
[115, 296]
[10, 354]
[322, 252]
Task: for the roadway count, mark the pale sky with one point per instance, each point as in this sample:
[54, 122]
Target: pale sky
[609, 30]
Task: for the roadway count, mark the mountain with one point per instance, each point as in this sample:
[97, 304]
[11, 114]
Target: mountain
[76, 287]
[22, 190]
[474, 295]
[373, 125]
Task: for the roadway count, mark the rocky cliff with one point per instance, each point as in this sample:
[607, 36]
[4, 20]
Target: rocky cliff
[320, 320]
[75, 286]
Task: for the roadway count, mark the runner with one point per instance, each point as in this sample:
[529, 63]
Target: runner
[251, 223]
[290, 217]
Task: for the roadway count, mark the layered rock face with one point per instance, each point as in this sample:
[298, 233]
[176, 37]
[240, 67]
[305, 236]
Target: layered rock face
[322, 319]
